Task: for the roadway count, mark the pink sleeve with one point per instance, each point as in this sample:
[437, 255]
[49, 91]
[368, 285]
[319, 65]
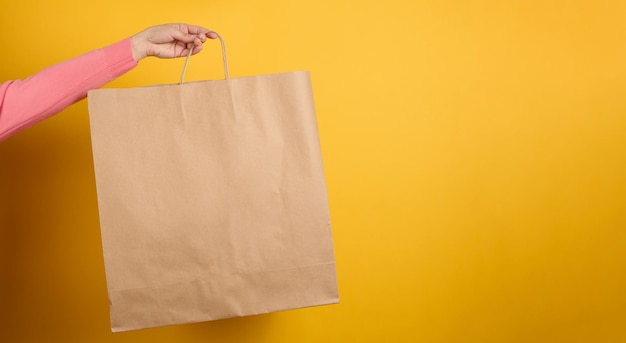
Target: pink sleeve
[24, 103]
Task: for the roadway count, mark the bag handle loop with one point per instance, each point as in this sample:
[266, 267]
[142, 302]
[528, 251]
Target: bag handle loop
[182, 76]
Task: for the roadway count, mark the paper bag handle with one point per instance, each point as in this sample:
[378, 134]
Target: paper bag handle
[182, 76]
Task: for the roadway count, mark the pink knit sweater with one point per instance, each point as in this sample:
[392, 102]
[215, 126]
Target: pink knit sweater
[24, 103]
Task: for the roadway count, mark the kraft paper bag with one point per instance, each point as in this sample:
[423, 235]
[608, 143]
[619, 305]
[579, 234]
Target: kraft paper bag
[212, 200]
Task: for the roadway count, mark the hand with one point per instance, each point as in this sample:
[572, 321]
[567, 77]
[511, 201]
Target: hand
[169, 41]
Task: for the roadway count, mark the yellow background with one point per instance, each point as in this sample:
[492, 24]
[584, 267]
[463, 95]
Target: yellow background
[474, 153]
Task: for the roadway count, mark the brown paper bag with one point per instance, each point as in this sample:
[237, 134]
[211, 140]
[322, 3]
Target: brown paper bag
[212, 200]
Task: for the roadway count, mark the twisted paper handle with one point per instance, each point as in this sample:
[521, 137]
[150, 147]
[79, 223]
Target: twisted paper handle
[182, 76]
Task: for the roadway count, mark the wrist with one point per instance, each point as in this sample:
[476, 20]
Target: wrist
[138, 47]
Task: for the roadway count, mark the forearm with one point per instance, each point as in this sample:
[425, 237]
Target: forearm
[26, 102]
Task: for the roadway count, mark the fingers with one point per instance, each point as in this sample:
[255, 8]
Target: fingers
[192, 29]
[196, 34]
[182, 36]
[196, 49]
[199, 31]
[169, 40]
